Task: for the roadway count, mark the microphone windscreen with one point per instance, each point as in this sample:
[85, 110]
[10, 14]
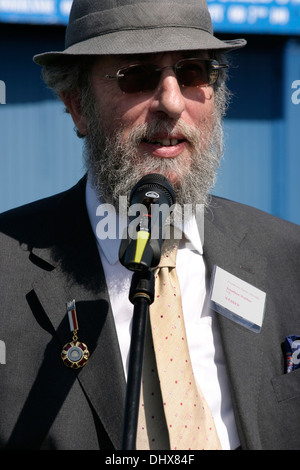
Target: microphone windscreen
[153, 182]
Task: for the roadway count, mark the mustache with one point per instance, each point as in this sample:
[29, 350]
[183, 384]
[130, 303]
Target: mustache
[167, 128]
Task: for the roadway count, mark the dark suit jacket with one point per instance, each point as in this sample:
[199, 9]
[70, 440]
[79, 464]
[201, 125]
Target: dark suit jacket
[48, 256]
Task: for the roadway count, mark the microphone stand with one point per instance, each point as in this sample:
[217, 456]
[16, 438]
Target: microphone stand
[153, 191]
[141, 296]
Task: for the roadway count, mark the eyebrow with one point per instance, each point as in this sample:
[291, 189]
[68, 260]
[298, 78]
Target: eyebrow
[189, 53]
[146, 57]
[143, 57]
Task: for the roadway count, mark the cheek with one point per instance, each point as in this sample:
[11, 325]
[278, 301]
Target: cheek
[201, 109]
[122, 116]
[107, 102]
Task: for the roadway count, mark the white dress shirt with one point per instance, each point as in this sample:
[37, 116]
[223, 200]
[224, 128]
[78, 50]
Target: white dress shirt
[202, 334]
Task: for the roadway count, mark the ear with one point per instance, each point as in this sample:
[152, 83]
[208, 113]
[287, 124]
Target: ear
[73, 105]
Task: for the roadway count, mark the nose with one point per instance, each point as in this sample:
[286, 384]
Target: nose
[168, 98]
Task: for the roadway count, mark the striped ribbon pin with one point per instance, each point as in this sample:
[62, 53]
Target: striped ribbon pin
[71, 309]
[74, 354]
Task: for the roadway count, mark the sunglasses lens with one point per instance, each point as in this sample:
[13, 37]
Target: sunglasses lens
[193, 73]
[139, 78]
[189, 72]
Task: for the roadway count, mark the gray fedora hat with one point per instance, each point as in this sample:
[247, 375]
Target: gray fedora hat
[101, 27]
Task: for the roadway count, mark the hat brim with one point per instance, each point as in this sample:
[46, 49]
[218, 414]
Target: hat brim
[142, 42]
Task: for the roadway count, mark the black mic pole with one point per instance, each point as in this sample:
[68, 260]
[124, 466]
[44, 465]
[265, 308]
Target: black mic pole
[141, 295]
[140, 255]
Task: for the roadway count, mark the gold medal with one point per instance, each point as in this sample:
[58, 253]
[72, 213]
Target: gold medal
[74, 354]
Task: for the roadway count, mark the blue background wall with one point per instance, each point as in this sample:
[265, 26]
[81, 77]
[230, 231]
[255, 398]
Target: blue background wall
[41, 155]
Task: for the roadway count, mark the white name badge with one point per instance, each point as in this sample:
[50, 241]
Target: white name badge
[237, 300]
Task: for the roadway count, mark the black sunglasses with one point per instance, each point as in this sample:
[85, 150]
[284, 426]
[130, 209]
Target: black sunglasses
[189, 73]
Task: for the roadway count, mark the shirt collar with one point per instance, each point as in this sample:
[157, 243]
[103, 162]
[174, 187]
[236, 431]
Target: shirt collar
[191, 239]
[110, 246]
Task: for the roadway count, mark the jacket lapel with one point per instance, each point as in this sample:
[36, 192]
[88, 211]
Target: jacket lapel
[75, 272]
[242, 347]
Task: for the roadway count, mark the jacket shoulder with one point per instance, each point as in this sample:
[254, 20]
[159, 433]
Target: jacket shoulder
[252, 223]
[40, 219]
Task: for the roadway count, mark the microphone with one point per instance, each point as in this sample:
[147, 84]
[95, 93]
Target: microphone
[151, 201]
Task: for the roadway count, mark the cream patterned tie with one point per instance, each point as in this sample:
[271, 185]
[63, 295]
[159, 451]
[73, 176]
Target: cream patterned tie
[173, 412]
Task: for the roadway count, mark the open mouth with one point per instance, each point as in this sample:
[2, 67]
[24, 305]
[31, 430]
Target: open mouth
[164, 142]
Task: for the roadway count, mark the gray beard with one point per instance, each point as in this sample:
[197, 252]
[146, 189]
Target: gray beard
[114, 168]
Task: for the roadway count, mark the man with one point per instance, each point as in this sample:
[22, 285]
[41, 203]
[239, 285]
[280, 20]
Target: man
[144, 83]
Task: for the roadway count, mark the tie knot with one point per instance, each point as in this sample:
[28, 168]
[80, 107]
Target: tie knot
[169, 253]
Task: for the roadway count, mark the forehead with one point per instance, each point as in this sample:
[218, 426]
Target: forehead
[127, 59]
